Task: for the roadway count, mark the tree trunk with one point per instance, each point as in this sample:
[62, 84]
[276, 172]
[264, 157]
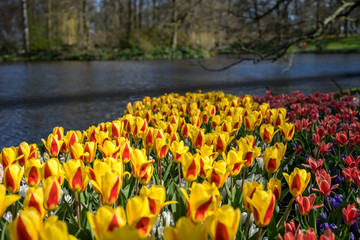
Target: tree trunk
[49, 24]
[85, 21]
[141, 4]
[25, 25]
[153, 12]
[175, 23]
[130, 19]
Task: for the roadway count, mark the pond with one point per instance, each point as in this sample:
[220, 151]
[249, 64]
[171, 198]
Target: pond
[37, 96]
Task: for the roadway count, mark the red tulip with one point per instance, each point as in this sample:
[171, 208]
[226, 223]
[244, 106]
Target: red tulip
[324, 148]
[341, 139]
[305, 204]
[313, 164]
[329, 235]
[323, 180]
[351, 162]
[350, 214]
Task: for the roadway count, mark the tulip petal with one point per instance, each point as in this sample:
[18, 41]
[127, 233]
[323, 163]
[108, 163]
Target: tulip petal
[201, 210]
[221, 232]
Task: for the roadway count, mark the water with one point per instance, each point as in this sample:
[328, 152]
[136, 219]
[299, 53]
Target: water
[35, 97]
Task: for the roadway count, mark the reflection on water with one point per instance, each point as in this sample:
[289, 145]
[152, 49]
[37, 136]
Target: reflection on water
[35, 97]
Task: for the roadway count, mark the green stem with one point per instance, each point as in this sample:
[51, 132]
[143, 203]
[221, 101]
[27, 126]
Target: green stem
[247, 225]
[306, 221]
[13, 212]
[327, 199]
[284, 217]
[179, 175]
[259, 234]
[137, 187]
[232, 192]
[77, 202]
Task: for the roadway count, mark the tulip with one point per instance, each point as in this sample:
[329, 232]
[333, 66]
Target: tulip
[89, 152]
[274, 185]
[226, 126]
[139, 215]
[59, 132]
[341, 139]
[76, 175]
[52, 192]
[109, 149]
[206, 163]
[161, 147]
[106, 221]
[252, 120]
[224, 223]
[77, 151]
[110, 188]
[329, 235]
[55, 229]
[139, 129]
[6, 200]
[35, 198]
[90, 134]
[215, 121]
[197, 137]
[51, 168]
[145, 180]
[347, 174]
[323, 180]
[218, 173]
[249, 152]
[139, 162]
[25, 226]
[297, 181]
[96, 174]
[248, 192]
[267, 133]
[190, 167]
[186, 229]
[125, 150]
[12, 177]
[26, 152]
[313, 164]
[125, 233]
[350, 214]
[202, 202]
[178, 151]
[292, 233]
[70, 138]
[101, 137]
[234, 160]
[287, 131]
[207, 150]
[116, 129]
[272, 159]
[324, 148]
[351, 162]
[33, 172]
[262, 205]
[305, 204]
[156, 195]
[8, 156]
[185, 130]
[52, 145]
[221, 141]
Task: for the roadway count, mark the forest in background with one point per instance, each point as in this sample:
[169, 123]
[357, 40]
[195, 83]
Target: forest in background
[125, 29]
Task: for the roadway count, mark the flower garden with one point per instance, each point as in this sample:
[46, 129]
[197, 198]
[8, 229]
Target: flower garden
[193, 166]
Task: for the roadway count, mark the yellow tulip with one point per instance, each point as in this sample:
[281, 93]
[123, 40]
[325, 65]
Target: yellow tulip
[218, 173]
[267, 132]
[55, 229]
[116, 129]
[297, 181]
[59, 132]
[161, 147]
[77, 151]
[272, 159]
[178, 151]
[52, 145]
[12, 177]
[224, 223]
[26, 152]
[139, 162]
[248, 192]
[52, 192]
[33, 172]
[190, 167]
[234, 160]
[109, 149]
[8, 156]
[6, 200]
[202, 202]
[125, 233]
[262, 206]
[139, 215]
[35, 198]
[186, 229]
[274, 185]
[106, 221]
[89, 152]
[156, 195]
[70, 138]
[52, 167]
[76, 175]
[25, 226]
[221, 141]
[287, 131]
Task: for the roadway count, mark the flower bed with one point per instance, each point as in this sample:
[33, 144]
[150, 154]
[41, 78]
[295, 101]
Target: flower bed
[193, 166]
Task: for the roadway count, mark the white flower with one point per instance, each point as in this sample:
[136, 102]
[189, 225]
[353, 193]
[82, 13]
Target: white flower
[23, 189]
[8, 216]
[253, 229]
[243, 218]
[260, 162]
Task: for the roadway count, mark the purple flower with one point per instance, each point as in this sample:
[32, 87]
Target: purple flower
[335, 202]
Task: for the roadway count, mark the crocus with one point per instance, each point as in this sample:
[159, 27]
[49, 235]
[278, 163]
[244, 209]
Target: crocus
[305, 204]
[106, 220]
[186, 229]
[350, 214]
[12, 177]
[6, 200]
[25, 226]
[262, 205]
[297, 181]
[202, 202]
[224, 223]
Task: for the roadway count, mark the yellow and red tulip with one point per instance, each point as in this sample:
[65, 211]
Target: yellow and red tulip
[140, 126]
[206, 163]
[96, 174]
[59, 132]
[148, 139]
[6, 200]
[52, 167]
[197, 137]
[224, 223]
[55, 229]
[145, 179]
[262, 205]
[76, 175]
[221, 141]
[234, 160]
[248, 193]
[77, 151]
[267, 132]
[139, 215]
[216, 121]
[297, 181]
[90, 134]
[252, 120]
[110, 187]
[106, 221]
[203, 201]
[218, 173]
[34, 198]
[161, 147]
[186, 229]
[25, 226]
[26, 152]
[116, 129]
[109, 149]
[190, 167]
[70, 138]
[33, 172]
[52, 192]
[178, 151]
[52, 145]
[12, 177]
[89, 152]
[156, 195]
[8, 156]
[249, 152]
[287, 131]
[139, 162]
[125, 150]
[272, 159]
[274, 185]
